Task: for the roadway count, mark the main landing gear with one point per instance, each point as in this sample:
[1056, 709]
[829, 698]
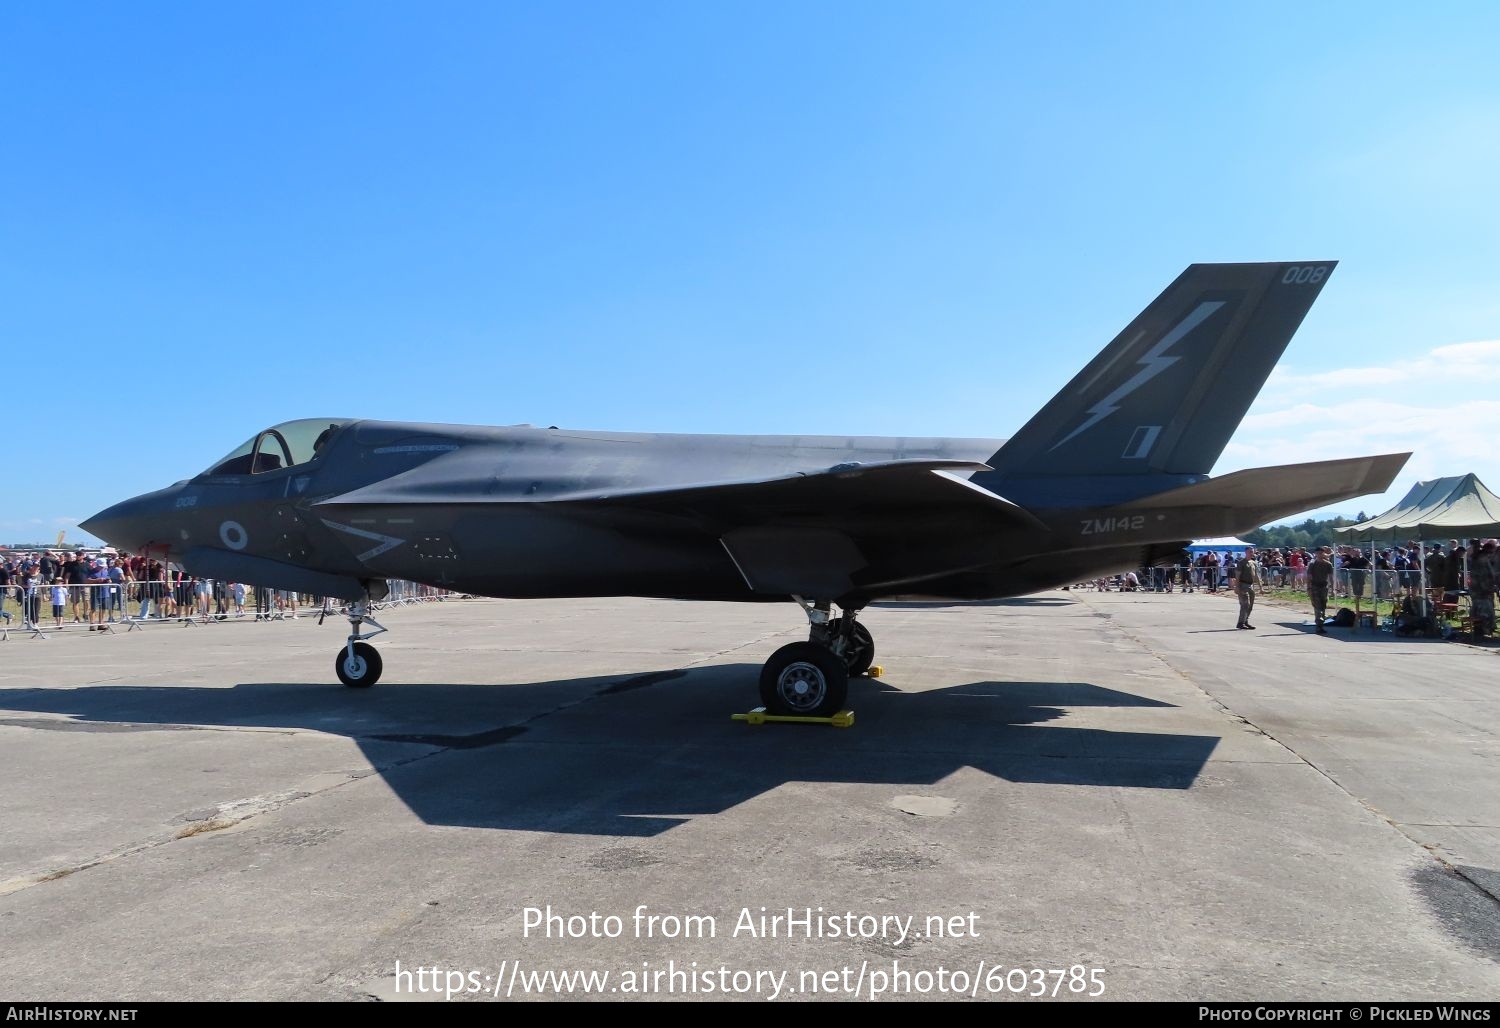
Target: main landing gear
[811, 679]
[358, 665]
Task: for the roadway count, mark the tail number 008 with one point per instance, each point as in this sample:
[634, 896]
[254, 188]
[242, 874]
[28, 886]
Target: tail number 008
[1304, 275]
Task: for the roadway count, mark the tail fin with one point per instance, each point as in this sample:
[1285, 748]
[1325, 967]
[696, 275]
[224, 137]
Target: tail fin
[1166, 395]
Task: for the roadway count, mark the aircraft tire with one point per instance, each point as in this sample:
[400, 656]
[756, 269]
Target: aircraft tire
[862, 655]
[365, 669]
[804, 680]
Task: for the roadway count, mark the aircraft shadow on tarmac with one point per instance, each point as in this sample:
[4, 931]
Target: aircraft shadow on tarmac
[636, 756]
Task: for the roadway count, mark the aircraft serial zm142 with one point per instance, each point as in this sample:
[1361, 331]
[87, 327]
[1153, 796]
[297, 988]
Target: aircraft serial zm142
[1109, 475]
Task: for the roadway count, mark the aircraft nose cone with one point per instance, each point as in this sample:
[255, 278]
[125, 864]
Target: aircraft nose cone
[114, 524]
[131, 524]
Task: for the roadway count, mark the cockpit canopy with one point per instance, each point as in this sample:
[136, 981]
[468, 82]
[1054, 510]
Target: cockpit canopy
[285, 446]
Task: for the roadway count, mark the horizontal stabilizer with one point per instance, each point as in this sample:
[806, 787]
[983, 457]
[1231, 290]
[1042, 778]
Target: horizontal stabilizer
[1263, 494]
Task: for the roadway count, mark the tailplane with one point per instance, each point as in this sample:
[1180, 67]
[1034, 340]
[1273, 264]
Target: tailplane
[1165, 396]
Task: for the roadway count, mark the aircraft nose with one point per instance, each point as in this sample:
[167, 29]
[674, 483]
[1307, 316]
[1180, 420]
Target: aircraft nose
[134, 523]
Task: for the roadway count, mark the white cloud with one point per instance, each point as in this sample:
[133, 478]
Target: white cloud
[1456, 363]
[1436, 405]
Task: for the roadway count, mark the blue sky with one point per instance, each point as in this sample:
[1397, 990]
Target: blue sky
[871, 218]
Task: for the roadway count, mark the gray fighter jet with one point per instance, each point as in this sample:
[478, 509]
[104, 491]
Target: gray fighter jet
[1109, 475]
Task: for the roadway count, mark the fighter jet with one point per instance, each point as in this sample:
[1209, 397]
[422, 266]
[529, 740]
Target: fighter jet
[1111, 474]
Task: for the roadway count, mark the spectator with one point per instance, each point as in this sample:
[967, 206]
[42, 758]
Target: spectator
[1298, 563]
[119, 578]
[59, 600]
[76, 572]
[1437, 572]
[1454, 581]
[98, 596]
[1358, 566]
[29, 575]
[1484, 576]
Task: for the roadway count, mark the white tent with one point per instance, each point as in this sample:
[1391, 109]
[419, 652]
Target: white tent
[1219, 545]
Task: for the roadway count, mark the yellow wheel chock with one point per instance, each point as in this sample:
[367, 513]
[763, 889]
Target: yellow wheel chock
[758, 716]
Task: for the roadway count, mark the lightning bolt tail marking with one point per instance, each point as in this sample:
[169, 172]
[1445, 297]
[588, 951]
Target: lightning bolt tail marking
[1152, 363]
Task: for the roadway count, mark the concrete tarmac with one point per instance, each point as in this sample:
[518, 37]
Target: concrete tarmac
[1069, 793]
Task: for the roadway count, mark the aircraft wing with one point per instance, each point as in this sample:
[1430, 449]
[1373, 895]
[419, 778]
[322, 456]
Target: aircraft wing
[809, 533]
[835, 493]
[882, 486]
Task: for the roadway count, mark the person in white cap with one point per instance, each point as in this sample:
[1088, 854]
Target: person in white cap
[98, 596]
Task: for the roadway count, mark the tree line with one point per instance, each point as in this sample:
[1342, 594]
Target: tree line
[1309, 533]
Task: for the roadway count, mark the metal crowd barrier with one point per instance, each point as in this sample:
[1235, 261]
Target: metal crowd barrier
[1375, 583]
[99, 606]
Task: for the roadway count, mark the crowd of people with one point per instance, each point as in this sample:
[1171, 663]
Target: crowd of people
[100, 589]
[1451, 573]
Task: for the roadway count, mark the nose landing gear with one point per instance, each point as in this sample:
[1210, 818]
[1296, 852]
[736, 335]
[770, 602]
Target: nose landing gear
[358, 664]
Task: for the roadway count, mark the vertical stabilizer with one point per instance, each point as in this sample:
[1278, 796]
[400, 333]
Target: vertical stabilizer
[1169, 391]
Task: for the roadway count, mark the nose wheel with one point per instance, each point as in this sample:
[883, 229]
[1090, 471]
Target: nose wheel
[358, 664]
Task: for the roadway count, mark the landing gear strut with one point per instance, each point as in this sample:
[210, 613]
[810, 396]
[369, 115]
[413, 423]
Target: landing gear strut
[811, 679]
[857, 649]
[358, 664]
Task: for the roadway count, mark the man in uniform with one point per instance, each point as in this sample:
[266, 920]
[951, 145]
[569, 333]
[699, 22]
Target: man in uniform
[1319, 576]
[1484, 577]
[1358, 564]
[1437, 573]
[1454, 581]
[1247, 582]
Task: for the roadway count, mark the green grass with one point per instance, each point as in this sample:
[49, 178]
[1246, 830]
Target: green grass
[1296, 597]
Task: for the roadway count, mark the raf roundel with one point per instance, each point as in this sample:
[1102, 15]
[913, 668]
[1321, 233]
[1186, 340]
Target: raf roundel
[233, 535]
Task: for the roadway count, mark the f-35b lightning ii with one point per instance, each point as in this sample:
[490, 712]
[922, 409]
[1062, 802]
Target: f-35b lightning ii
[1111, 474]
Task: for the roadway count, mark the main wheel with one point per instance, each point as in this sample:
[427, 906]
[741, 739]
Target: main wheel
[859, 656]
[361, 670]
[804, 680]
